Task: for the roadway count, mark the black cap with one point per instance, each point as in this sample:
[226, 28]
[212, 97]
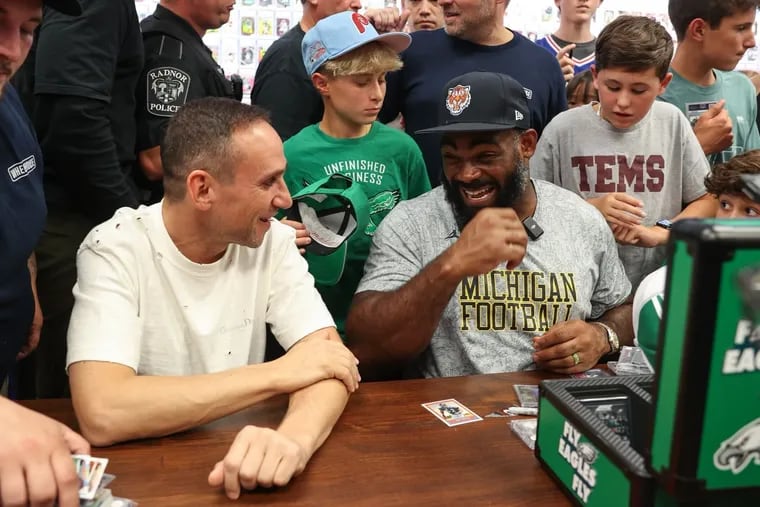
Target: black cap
[481, 102]
[70, 7]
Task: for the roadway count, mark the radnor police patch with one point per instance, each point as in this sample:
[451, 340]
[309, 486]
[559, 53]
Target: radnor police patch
[167, 90]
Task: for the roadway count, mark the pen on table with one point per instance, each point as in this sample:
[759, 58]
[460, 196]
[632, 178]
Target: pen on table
[521, 411]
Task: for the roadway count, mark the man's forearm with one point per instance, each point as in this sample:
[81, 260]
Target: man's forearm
[620, 319]
[312, 413]
[398, 325]
[113, 404]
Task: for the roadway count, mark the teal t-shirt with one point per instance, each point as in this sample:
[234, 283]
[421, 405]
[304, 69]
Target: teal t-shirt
[741, 104]
[388, 166]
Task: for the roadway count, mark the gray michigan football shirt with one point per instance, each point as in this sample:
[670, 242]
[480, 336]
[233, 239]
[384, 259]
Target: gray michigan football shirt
[571, 272]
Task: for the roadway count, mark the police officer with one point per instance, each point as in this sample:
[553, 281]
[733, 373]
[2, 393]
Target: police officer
[178, 68]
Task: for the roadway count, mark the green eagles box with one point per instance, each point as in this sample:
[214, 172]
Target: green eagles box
[690, 434]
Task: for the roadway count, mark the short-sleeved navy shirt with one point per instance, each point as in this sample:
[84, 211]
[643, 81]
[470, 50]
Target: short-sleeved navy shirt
[22, 217]
[434, 58]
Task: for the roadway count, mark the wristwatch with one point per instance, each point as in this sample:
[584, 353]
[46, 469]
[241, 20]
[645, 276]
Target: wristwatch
[612, 338]
[664, 223]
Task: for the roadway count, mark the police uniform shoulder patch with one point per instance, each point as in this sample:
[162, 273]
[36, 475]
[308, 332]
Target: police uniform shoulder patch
[167, 89]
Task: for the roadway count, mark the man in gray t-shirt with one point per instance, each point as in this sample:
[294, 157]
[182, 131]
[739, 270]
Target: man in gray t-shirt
[492, 271]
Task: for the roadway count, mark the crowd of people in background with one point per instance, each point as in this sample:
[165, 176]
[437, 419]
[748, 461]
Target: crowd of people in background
[503, 220]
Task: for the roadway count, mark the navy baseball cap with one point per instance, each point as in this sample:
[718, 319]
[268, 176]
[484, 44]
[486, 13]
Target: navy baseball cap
[340, 33]
[482, 102]
[332, 209]
[70, 7]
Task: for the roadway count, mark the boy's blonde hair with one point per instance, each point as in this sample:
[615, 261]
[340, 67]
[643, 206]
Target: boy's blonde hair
[372, 58]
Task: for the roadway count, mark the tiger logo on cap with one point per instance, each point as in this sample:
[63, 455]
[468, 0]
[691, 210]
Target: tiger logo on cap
[458, 99]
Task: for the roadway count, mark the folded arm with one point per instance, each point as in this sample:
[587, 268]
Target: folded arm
[265, 457]
[113, 403]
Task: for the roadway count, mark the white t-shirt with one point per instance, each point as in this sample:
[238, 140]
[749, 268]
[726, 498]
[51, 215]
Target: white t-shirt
[139, 302]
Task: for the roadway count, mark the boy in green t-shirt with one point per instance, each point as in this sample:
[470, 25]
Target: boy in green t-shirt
[348, 60]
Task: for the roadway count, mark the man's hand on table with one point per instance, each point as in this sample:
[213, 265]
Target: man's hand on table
[569, 347]
[258, 457]
[317, 358]
[35, 458]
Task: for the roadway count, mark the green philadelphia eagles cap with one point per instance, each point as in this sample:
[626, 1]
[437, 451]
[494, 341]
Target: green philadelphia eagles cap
[332, 209]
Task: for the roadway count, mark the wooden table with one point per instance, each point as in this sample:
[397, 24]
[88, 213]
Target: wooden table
[386, 450]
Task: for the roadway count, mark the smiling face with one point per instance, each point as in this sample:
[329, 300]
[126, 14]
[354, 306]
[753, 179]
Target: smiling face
[725, 45]
[246, 204]
[627, 96]
[483, 170]
[18, 20]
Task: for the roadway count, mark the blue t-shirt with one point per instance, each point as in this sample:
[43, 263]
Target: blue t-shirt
[434, 58]
[22, 217]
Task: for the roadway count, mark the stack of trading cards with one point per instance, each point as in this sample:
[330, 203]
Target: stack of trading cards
[527, 394]
[526, 430]
[93, 481]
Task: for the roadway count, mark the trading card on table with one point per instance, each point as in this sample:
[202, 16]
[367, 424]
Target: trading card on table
[592, 373]
[452, 412]
[527, 394]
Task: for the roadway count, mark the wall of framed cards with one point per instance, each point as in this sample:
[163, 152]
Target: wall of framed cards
[254, 25]
[537, 18]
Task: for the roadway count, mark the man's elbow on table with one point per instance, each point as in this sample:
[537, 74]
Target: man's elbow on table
[92, 393]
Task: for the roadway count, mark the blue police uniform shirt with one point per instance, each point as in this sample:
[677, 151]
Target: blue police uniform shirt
[434, 58]
[22, 218]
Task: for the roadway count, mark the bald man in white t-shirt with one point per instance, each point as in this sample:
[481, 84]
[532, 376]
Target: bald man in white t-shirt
[172, 300]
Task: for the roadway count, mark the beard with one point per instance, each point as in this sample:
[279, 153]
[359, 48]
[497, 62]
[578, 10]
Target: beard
[508, 192]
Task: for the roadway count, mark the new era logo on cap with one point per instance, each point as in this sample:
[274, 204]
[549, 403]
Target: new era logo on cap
[481, 102]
